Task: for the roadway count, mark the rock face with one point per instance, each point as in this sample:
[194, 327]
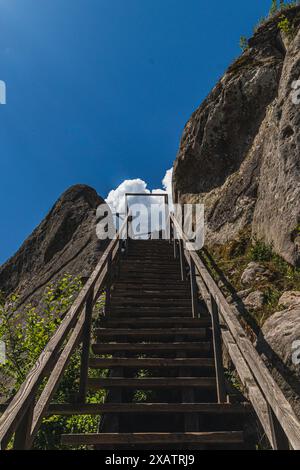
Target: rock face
[289, 299]
[255, 272]
[65, 241]
[255, 300]
[239, 153]
[279, 342]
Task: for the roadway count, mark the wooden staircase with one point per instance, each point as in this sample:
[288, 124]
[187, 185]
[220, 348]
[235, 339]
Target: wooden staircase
[162, 342]
[150, 342]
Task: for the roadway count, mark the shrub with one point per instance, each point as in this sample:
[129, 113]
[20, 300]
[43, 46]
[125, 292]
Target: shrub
[26, 334]
[261, 252]
[244, 43]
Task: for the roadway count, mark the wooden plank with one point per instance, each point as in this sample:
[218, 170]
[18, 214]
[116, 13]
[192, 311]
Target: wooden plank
[196, 322]
[144, 332]
[251, 389]
[86, 343]
[279, 438]
[154, 438]
[14, 414]
[22, 439]
[119, 301]
[97, 363]
[145, 408]
[271, 390]
[153, 347]
[218, 353]
[56, 375]
[153, 382]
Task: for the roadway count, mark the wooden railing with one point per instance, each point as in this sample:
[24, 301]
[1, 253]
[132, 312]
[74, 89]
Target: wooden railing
[279, 421]
[22, 418]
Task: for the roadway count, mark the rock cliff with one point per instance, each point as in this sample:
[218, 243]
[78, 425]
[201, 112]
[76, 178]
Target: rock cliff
[65, 241]
[239, 154]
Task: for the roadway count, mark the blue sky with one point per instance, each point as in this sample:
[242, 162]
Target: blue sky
[98, 91]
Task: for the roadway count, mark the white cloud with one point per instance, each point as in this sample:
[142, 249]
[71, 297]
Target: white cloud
[116, 197]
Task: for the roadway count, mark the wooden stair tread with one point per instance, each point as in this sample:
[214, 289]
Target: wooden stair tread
[153, 382]
[104, 332]
[153, 362]
[99, 348]
[98, 408]
[232, 437]
[197, 322]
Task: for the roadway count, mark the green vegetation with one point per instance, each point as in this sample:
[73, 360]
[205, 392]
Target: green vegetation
[233, 258]
[26, 332]
[284, 25]
[244, 43]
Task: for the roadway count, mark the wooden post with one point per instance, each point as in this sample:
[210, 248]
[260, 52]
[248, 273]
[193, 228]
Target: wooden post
[108, 285]
[217, 342]
[167, 221]
[194, 291]
[22, 439]
[280, 441]
[85, 354]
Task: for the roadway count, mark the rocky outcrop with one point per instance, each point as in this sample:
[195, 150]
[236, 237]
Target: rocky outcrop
[239, 154]
[65, 241]
[289, 299]
[279, 342]
[255, 272]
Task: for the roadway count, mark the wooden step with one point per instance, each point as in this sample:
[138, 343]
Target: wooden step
[152, 362]
[153, 383]
[144, 408]
[139, 287]
[99, 348]
[227, 437]
[177, 309]
[154, 321]
[118, 301]
[150, 262]
[141, 268]
[149, 332]
[153, 283]
[153, 311]
[151, 293]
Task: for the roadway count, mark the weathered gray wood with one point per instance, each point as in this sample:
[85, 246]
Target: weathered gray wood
[14, 414]
[279, 438]
[52, 384]
[272, 392]
[86, 343]
[194, 292]
[251, 389]
[22, 439]
[218, 354]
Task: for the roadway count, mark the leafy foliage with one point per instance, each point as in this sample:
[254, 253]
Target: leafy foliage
[244, 43]
[26, 334]
[260, 251]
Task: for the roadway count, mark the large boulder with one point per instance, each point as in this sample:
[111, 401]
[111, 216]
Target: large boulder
[239, 153]
[289, 299]
[279, 343]
[255, 272]
[64, 242]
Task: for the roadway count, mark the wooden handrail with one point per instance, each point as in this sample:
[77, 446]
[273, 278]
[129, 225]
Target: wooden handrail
[278, 405]
[22, 415]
